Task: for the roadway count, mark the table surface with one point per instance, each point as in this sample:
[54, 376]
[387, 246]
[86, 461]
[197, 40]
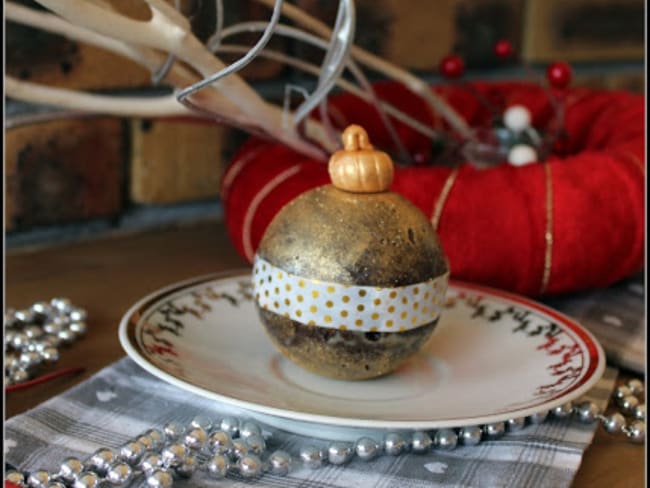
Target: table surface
[107, 276]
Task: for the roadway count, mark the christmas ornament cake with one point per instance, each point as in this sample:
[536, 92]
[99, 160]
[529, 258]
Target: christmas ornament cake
[350, 277]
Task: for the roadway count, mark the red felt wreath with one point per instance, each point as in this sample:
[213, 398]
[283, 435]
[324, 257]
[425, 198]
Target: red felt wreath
[495, 222]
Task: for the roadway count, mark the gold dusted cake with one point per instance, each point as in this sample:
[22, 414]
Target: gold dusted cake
[350, 277]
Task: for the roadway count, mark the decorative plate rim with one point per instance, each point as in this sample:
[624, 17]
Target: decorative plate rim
[595, 370]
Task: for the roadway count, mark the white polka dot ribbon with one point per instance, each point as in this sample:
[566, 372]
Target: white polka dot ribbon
[347, 307]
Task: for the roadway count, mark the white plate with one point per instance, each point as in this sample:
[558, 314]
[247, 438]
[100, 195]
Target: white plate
[494, 356]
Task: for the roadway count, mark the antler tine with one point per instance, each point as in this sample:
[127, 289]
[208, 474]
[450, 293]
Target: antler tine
[168, 31]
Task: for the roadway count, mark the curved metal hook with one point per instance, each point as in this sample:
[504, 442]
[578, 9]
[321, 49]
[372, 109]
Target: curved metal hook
[240, 63]
[335, 58]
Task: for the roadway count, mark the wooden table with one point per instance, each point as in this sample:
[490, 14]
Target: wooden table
[107, 276]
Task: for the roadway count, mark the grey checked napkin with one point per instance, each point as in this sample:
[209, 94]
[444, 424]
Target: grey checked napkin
[123, 400]
[616, 316]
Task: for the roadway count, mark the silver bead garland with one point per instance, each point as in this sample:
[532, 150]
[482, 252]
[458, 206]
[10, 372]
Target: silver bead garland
[178, 452]
[234, 447]
[33, 336]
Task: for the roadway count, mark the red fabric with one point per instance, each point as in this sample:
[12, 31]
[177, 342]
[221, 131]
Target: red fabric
[494, 220]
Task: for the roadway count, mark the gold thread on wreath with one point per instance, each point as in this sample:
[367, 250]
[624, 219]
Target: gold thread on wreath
[442, 198]
[548, 234]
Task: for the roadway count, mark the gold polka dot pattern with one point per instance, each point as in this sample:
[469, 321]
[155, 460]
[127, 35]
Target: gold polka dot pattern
[347, 307]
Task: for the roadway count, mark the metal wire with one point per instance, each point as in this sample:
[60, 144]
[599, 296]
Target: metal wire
[300, 35]
[345, 85]
[335, 57]
[240, 63]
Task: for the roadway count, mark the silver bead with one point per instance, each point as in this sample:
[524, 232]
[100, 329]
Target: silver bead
[445, 439]
[218, 466]
[131, 453]
[256, 444]
[187, 467]
[366, 448]
[19, 375]
[16, 477]
[101, 460]
[119, 474]
[38, 479]
[639, 412]
[173, 455]
[195, 438]
[41, 309]
[25, 316]
[249, 428]
[70, 469]
[160, 479]
[627, 404]
[11, 362]
[146, 441]
[494, 430]
[470, 435]
[562, 411]
[636, 386]
[230, 425]
[636, 431]
[51, 340]
[10, 317]
[587, 412]
[614, 423]
[280, 463]
[538, 418]
[250, 466]
[150, 462]
[339, 452]
[156, 436]
[29, 359]
[61, 304]
[67, 336]
[77, 315]
[311, 456]
[56, 484]
[219, 442]
[394, 444]
[86, 479]
[9, 339]
[202, 422]
[621, 392]
[514, 425]
[421, 442]
[238, 448]
[33, 331]
[50, 354]
[79, 329]
[53, 327]
[19, 340]
[173, 430]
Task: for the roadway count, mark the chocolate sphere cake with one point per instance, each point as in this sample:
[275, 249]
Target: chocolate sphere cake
[350, 278]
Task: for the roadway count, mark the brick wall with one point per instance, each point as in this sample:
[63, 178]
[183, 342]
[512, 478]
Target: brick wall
[66, 176]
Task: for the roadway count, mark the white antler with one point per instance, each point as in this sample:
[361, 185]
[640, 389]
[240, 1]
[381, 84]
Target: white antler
[166, 46]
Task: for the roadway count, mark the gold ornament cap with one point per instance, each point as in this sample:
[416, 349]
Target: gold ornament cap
[358, 167]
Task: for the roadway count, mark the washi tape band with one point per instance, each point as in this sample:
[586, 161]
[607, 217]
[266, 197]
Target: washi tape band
[347, 307]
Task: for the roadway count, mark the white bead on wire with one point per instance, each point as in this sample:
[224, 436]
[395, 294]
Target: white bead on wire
[522, 154]
[517, 118]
